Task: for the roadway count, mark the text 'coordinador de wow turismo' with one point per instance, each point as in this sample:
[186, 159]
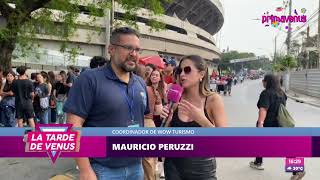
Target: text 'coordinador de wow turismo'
[153, 132]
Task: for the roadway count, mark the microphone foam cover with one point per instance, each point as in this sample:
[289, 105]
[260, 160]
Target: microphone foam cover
[175, 93]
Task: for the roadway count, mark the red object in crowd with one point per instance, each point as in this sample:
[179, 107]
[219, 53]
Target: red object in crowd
[168, 79]
[155, 60]
[214, 74]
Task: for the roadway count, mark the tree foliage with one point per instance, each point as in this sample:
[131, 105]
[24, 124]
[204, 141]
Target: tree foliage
[26, 20]
[285, 63]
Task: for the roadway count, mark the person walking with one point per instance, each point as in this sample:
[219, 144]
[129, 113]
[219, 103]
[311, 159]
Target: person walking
[199, 107]
[268, 105]
[97, 97]
[229, 84]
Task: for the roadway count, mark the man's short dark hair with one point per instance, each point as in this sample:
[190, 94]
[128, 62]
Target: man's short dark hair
[115, 35]
[97, 61]
[71, 68]
[62, 72]
[33, 76]
[21, 70]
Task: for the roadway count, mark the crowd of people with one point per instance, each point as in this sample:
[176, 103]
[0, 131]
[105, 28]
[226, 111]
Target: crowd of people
[123, 93]
[27, 99]
[224, 83]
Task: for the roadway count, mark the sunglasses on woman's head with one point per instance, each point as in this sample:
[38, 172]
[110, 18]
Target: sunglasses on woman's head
[186, 70]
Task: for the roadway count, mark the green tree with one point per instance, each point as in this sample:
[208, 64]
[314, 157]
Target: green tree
[226, 57]
[24, 18]
[285, 63]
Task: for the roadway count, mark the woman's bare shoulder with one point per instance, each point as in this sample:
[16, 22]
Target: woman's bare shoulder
[214, 98]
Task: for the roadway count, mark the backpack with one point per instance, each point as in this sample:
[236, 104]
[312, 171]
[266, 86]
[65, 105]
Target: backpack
[284, 118]
[52, 101]
[44, 102]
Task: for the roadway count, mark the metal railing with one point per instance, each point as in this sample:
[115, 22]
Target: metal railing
[306, 82]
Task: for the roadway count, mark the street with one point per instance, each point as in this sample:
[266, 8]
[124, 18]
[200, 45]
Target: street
[242, 112]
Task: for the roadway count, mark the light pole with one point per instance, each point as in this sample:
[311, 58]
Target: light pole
[275, 50]
[109, 18]
[289, 30]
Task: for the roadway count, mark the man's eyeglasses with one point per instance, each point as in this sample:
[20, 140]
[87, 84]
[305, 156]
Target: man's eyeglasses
[186, 70]
[129, 48]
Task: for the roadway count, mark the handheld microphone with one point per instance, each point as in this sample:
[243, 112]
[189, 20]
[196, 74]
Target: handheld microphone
[174, 95]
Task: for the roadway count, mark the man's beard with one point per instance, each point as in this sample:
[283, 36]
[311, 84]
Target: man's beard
[128, 68]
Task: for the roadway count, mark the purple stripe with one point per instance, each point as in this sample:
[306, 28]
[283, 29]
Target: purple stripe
[90, 146]
[218, 146]
[316, 146]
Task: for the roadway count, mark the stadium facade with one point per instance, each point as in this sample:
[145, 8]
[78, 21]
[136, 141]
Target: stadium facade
[190, 29]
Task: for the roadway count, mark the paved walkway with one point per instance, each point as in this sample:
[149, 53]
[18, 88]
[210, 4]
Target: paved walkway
[304, 98]
[72, 174]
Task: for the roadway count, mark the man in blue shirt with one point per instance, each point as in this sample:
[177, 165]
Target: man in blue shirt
[111, 96]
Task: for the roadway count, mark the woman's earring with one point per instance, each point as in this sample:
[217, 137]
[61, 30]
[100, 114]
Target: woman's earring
[201, 80]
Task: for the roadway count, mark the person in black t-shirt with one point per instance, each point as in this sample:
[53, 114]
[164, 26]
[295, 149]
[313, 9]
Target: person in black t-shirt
[24, 91]
[268, 105]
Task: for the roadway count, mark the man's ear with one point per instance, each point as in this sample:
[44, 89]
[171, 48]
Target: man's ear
[111, 49]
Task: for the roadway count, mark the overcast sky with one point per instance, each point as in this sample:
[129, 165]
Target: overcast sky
[243, 34]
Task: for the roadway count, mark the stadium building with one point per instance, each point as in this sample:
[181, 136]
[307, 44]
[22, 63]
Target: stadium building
[190, 29]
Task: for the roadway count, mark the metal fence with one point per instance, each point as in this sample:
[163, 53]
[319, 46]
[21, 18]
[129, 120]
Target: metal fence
[54, 60]
[306, 82]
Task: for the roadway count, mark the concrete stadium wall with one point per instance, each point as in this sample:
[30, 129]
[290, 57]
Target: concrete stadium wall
[166, 41]
[306, 82]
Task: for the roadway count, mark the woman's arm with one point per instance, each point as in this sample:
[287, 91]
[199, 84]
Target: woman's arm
[1, 90]
[217, 114]
[157, 109]
[10, 93]
[262, 116]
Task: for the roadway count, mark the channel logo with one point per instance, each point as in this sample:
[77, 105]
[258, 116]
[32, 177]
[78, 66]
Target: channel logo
[53, 139]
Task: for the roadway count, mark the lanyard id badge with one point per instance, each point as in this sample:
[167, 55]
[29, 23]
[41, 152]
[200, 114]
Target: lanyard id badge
[129, 101]
[134, 125]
